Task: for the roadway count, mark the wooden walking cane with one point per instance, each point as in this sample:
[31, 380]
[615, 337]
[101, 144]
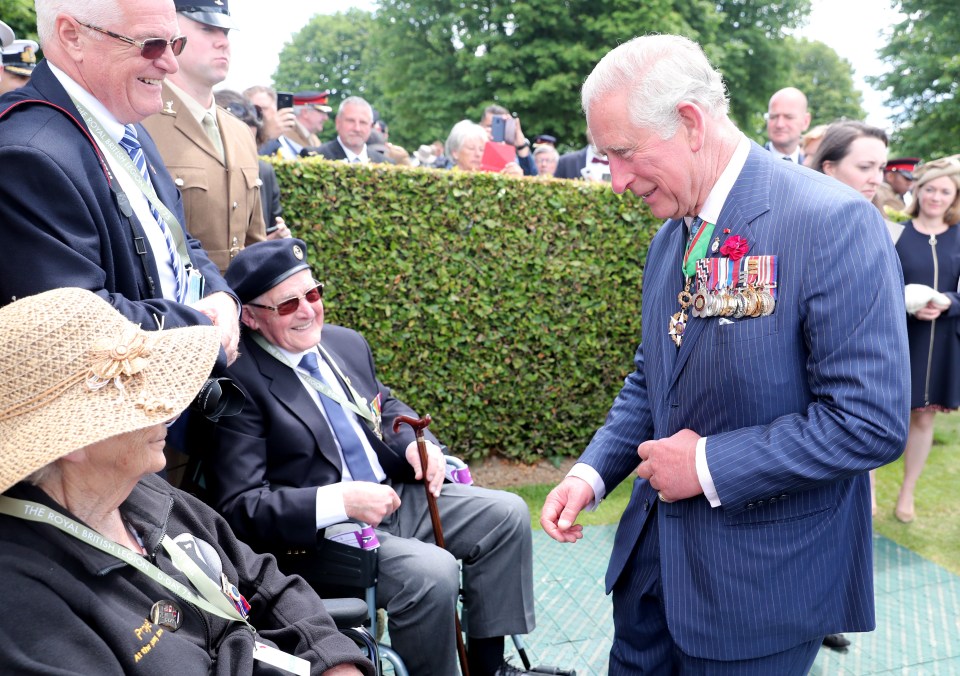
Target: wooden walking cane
[418, 427]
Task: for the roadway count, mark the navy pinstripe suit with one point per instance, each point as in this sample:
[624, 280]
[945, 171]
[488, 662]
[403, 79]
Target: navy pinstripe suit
[797, 406]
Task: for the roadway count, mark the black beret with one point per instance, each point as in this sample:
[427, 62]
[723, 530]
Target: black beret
[261, 266]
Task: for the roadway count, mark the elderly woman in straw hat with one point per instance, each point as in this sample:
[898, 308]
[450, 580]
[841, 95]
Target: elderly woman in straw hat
[105, 568]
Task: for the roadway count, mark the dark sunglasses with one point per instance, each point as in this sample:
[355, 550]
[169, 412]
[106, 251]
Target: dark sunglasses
[151, 48]
[290, 305]
[248, 114]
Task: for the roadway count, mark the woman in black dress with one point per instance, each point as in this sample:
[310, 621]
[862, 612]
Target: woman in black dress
[929, 251]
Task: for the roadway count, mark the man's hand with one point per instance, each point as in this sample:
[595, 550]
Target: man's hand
[287, 119]
[281, 231]
[520, 141]
[670, 465]
[436, 465]
[343, 670]
[561, 508]
[369, 502]
[221, 309]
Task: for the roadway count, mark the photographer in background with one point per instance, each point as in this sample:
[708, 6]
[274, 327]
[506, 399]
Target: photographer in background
[517, 139]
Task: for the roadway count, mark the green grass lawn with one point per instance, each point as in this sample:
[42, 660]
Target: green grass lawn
[935, 534]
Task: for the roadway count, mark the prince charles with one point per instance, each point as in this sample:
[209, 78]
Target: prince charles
[772, 376]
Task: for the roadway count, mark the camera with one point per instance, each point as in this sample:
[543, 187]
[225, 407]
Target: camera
[284, 100]
[504, 129]
[218, 397]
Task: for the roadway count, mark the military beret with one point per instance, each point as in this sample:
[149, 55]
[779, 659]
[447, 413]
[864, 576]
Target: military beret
[261, 266]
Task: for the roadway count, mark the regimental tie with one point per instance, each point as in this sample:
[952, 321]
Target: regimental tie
[131, 144]
[697, 243]
[350, 445]
[210, 127]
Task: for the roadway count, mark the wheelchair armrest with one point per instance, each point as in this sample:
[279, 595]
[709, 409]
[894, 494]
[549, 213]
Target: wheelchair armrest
[456, 470]
[347, 612]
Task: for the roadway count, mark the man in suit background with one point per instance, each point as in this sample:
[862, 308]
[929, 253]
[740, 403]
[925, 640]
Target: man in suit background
[315, 445]
[353, 122]
[586, 164]
[748, 533]
[787, 119]
[209, 152]
[73, 210]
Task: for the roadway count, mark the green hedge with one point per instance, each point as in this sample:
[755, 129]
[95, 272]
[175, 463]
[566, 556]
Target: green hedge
[507, 309]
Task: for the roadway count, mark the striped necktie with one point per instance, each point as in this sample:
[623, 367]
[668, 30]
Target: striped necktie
[131, 144]
[353, 451]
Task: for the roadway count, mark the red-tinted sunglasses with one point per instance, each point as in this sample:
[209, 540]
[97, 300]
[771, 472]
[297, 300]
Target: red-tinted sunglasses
[290, 305]
[151, 48]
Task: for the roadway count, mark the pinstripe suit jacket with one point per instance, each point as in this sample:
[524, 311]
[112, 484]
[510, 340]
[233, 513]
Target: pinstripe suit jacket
[797, 406]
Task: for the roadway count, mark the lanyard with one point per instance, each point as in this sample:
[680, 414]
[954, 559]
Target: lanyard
[213, 601]
[119, 154]
[360, 408]
[697, 248]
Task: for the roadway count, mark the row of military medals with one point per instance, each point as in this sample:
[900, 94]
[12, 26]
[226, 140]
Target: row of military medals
[751, 296]
[727, 288]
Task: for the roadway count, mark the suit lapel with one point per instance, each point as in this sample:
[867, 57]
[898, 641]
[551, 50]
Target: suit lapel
[748, 199]
[186, 124]
[290, 393]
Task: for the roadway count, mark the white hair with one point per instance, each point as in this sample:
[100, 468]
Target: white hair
[95, 12]
[355, 101]
[461, 132]
[658, 72]
[546, 149]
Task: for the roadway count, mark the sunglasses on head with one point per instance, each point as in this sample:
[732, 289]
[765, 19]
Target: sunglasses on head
[151, 48]
[290, 305]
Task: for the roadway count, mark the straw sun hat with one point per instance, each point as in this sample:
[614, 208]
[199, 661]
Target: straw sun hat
[74, 371]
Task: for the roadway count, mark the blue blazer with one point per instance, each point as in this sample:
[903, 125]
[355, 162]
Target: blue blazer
[266, 463]
[796, 407]
[61, 223]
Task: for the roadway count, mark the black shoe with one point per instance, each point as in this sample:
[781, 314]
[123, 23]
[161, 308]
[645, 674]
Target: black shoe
[507, 669]
[836, 641]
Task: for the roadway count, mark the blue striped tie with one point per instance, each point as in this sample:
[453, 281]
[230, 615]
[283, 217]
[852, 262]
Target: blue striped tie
[131, 144]
[353, 452]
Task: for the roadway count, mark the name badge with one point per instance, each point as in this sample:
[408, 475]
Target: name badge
[281, 660]
[195, 284]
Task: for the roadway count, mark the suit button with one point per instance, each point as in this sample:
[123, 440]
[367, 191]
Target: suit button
[750, 505]
[178, 182]
[772, 501]
[759, 503]
[783, 497]
[235, 205]
[646, 505]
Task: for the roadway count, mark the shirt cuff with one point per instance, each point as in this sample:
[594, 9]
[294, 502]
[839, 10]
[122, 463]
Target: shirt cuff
[592, 477]
[330, 507]
[703, 474]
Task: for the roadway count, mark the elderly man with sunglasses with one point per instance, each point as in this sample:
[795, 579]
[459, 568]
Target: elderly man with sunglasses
[84, 198]
[315, 445]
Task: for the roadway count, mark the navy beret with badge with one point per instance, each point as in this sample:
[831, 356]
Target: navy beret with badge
[261, 266]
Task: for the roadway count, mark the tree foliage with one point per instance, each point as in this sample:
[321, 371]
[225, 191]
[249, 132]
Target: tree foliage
[335, 52]
[21, 16]
[437, 62]
[923, 55]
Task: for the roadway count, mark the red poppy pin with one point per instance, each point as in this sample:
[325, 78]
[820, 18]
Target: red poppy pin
[735, 247]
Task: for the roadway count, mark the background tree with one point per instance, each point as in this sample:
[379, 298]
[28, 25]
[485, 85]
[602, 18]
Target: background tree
[21, 16]
[430, 63]
[826, 79]
[924, 77]
[337, 52]
[748, 48]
